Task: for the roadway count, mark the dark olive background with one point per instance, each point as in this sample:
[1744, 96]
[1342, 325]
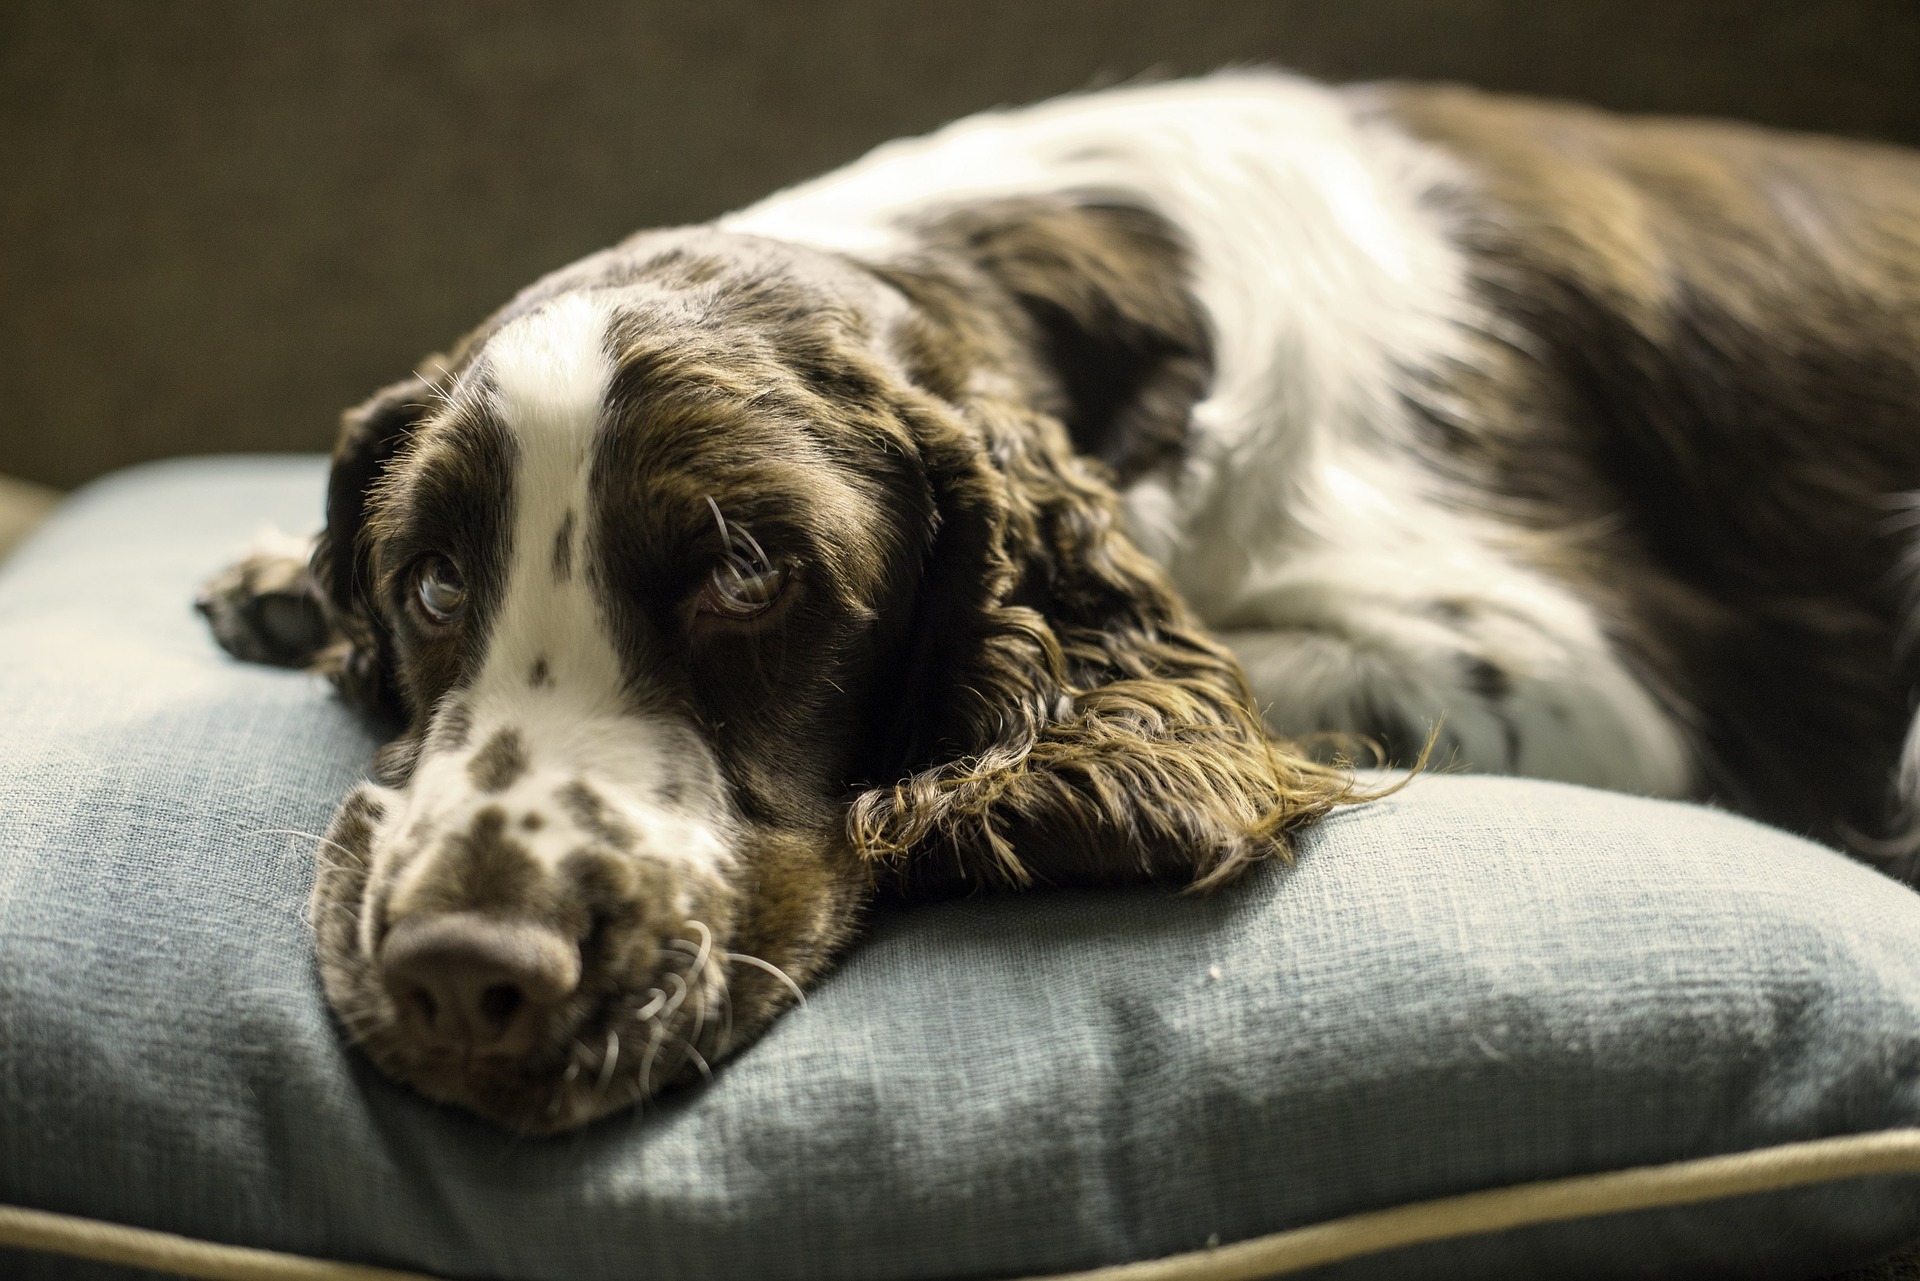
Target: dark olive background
[221, 221]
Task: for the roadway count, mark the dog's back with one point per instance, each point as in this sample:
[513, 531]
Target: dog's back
[1711, 375]
[1583, 436]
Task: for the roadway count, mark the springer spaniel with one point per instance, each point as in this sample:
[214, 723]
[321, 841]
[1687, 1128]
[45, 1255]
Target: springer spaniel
[1018, 503]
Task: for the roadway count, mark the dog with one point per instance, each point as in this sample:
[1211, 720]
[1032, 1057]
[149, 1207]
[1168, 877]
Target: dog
[1036, 502]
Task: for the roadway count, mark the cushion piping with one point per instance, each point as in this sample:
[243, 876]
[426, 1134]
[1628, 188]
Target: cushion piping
[1649, 1187]
[104, 1242]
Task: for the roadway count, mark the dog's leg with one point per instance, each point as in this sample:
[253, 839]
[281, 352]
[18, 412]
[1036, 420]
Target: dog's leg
[1505, 687]
[266, 608]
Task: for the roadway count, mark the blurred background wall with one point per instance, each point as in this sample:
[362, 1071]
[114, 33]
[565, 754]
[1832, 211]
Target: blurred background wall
[222, 221]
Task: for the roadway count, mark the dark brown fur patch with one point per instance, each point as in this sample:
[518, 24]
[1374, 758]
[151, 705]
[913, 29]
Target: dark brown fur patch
[480, 868]
[1104, 289]
[350, 836]
[450, 494]
[590, 812]
[563, 548]
[496, 766]
[540, 675]
[452, 726]
[394, 763]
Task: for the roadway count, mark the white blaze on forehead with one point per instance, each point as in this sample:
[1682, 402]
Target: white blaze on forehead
[550, 373]
[551, 368]
[552, 674]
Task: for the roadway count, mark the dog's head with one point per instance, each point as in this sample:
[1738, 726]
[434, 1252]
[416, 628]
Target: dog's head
[720, 581]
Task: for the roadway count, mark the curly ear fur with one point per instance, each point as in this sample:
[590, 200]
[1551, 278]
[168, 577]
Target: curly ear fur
[1076, 723]
[371, 434]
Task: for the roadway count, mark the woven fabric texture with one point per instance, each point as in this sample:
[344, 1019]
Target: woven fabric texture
[1474, 983]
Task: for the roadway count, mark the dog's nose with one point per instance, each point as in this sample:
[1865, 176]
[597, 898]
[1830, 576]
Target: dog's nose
[462, 980]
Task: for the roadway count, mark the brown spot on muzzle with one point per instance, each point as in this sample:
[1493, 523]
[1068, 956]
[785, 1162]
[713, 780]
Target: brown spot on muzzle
[563, 549]
[591, 813]
[394, 764]
[451, 727]
[350, 836]
[495, 767]
[482, 868]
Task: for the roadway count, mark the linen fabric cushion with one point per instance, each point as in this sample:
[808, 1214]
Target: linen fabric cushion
[1473, 985]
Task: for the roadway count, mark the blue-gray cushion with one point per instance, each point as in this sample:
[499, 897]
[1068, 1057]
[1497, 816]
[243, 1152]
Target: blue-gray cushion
[1474, 984]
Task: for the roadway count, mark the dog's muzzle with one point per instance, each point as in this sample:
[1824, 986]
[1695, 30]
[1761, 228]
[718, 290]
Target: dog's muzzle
[539, 944]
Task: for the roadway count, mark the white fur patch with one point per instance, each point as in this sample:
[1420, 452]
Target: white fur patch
[1304, 521]
[551, 371]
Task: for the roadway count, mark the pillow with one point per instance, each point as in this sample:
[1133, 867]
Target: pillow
[1483, 1028]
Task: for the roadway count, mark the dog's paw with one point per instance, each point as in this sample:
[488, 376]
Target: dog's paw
[264, 609]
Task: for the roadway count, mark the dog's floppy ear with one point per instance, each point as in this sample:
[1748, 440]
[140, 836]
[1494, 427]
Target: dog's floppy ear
[1069, 720]
[370, 435]
[1104, 290]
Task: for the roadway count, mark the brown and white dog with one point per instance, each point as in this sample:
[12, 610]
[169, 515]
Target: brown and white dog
[972, 516]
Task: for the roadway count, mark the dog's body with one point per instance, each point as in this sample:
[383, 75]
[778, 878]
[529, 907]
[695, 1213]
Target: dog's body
[737, 570]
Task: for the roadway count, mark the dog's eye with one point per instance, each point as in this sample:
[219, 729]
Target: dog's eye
[746, 581]
[741, 587]
[440, 589]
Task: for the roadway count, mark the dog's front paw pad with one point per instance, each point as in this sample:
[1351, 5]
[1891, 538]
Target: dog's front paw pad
[263, 610]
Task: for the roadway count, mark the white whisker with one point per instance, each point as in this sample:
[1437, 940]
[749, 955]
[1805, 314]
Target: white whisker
[679, 995]
[699, 1060]
[772, 969]
[607, 1063]
[726, 1021]
[699, 1017]
[706, 947]
[646, 1061]
[312, 836]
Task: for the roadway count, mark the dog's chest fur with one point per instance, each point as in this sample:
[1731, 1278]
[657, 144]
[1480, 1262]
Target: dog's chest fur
[1576, 436]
